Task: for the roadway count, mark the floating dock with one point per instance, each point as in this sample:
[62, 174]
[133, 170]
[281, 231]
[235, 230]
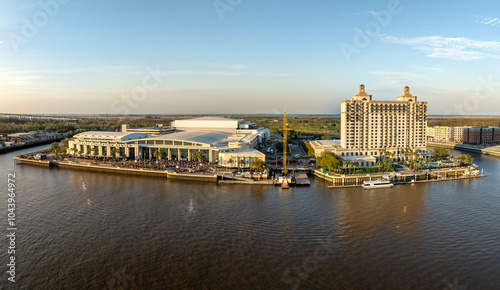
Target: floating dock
[356, 180]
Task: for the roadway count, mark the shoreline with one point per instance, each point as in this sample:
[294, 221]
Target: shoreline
[168, 174]
[468, 148]
[336, 180]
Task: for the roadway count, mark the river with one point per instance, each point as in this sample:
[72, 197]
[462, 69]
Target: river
[85, 230]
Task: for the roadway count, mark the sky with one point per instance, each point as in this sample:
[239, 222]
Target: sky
[245, 57]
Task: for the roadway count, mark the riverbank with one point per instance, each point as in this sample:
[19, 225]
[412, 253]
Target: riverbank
[75, 165]
[20, 147]
[493, 151]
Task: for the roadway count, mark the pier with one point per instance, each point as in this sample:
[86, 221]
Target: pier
[356, 180]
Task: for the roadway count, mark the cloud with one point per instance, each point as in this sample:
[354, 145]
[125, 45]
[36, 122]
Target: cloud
[282, 75]
[455, 48]
[488, 20]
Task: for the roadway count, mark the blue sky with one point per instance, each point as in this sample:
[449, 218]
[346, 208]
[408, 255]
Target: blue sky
[242, 56]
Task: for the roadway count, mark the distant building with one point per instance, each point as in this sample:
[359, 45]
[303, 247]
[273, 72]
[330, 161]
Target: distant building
[431, 133]
[458, 134]
[33, 138]
[445, 134]
[481, 135]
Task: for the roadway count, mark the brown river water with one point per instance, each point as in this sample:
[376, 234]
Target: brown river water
[85, 230]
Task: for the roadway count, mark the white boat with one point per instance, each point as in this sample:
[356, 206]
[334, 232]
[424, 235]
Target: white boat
[381, 183]
[285, 185]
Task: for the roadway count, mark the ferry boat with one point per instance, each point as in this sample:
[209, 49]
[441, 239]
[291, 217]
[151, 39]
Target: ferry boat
[381, 183]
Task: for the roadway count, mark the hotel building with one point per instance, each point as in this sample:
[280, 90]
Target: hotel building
[368, 126]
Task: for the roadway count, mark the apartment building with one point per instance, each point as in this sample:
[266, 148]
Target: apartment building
[481, 135]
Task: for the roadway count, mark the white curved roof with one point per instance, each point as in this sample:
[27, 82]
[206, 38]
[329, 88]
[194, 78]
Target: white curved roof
[110, 135]
[203, 137]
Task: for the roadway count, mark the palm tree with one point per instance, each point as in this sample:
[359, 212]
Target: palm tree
[163, 154]
[380, 164]
[113, 152]
[405, 153]
[230, 161]
[96, 151]
[414, 156]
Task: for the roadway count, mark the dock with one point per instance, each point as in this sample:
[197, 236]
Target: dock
[301, 179]
[356, 180]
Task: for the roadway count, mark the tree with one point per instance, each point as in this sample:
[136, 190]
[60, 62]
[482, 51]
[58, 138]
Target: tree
[380, 164]
[54, 147]
[63, 150]
[279, 146]
[163, 154]
[325, 137]
[113, 152]
[230, 161]
[124, 157]
[200, 156]
[464, 159]
[258, 165]
[440, 153]
[74, 150]
[329, 161]
[95, 150]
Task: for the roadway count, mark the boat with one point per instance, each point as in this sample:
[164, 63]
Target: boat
[284, 184]
[381, 183]
[473, 172]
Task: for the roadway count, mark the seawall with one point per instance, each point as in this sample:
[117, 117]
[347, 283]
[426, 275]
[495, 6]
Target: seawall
[464, 148]
[118, 170]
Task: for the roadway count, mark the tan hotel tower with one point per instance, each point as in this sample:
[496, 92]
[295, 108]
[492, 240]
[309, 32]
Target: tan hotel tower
[368, 126]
